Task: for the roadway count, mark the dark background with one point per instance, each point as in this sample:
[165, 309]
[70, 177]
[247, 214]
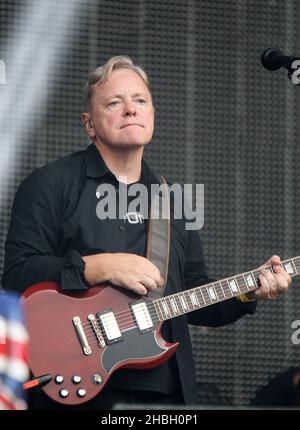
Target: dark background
[222, 120]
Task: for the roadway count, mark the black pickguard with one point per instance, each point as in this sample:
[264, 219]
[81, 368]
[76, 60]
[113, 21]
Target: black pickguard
[133, 346]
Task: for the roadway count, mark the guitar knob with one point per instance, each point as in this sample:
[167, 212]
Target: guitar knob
[59, 379]
[76, 379]
[63, 393]
[81, 392]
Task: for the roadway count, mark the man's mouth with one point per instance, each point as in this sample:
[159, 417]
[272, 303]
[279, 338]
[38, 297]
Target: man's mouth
[132, 124]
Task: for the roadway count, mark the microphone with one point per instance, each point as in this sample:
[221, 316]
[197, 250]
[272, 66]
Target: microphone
[273, 59]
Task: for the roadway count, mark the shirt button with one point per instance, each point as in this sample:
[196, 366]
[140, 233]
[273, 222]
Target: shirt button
[122, 228]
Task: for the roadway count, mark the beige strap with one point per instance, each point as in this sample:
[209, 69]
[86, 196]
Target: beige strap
[159, 234]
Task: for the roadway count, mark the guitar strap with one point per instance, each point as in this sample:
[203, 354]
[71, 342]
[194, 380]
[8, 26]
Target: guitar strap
[159, 233]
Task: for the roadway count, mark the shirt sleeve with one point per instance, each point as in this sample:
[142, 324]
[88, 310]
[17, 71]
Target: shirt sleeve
[218, 314]
[31, 248]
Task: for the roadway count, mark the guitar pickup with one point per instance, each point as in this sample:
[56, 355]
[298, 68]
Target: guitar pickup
[109, 326]
[142, 316]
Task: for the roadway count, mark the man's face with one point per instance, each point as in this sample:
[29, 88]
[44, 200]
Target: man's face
[122, 112]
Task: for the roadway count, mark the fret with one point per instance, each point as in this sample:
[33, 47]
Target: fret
[188, 299]
[158, 310]
[216, 293]
[240, 283]
[294, 265]
[200, 289]
[183, 302]
[194, 300]
[162, 308]
[222, 289]
[211, 293]
[205, 290]
[232, 286]
[168, 302]
[296, 261]
[249, 280]
[165, 307]
[256, 274]
[226, 289]
[178, 304]
[288, 267]
[199, 297]
[154, 315]
[173, 305]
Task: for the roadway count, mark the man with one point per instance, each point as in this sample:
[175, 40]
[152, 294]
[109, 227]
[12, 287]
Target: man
[56, 235]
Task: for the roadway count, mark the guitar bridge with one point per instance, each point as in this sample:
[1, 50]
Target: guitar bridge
[97, 331]
[81, 336]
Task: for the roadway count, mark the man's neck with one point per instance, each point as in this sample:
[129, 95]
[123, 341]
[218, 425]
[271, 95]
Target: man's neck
[124, 163]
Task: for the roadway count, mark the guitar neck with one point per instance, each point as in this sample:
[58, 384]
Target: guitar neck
[204, 295]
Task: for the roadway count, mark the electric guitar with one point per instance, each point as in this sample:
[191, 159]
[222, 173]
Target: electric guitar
[79, 340]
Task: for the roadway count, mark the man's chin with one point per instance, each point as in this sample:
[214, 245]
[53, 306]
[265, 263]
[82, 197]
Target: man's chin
[127, 145]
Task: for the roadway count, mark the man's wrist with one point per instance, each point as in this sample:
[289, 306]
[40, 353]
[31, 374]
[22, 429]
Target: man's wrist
[246, 298]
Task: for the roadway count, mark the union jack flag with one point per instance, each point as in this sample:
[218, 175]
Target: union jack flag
[13, 353]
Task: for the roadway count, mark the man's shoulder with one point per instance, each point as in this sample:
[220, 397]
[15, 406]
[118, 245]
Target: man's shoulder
[57, 174]
[65, 168]
[68, 162]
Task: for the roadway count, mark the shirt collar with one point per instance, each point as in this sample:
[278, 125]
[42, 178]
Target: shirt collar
[96, 167]
[148, 176]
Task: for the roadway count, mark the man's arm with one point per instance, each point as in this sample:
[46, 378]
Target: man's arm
[129, 271]
[218, 314]
[33, 242]
[272, 285]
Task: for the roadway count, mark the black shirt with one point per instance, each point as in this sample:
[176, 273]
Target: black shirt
[54, 223]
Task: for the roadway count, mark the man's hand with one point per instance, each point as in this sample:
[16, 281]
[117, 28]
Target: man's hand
[124, 270]
[272, 285]
[135, 273]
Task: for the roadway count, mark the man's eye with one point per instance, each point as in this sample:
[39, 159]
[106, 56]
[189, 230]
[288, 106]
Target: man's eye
[114, 103]
[141, 101]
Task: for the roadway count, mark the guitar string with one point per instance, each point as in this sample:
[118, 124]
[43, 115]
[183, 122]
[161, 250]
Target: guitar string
[174, 309]
[154, 313]
[218, 285]
[204, 301]
[127, 320]
[127, 316]
[177, 308]
[130, 324]
[93, 340]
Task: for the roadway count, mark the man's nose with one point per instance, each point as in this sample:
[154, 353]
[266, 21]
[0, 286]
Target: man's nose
[130, 109]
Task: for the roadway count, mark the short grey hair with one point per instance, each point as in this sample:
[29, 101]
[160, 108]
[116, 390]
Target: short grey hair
[102, 74]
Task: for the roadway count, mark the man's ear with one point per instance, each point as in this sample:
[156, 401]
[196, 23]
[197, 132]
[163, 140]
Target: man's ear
[88, 124]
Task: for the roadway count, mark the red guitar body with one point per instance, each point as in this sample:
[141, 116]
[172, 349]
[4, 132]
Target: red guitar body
[55, 347]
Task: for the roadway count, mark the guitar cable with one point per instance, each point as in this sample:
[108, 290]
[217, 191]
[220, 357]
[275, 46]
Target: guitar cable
[38, 382]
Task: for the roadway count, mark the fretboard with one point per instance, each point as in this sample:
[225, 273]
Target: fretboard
[204, 295]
